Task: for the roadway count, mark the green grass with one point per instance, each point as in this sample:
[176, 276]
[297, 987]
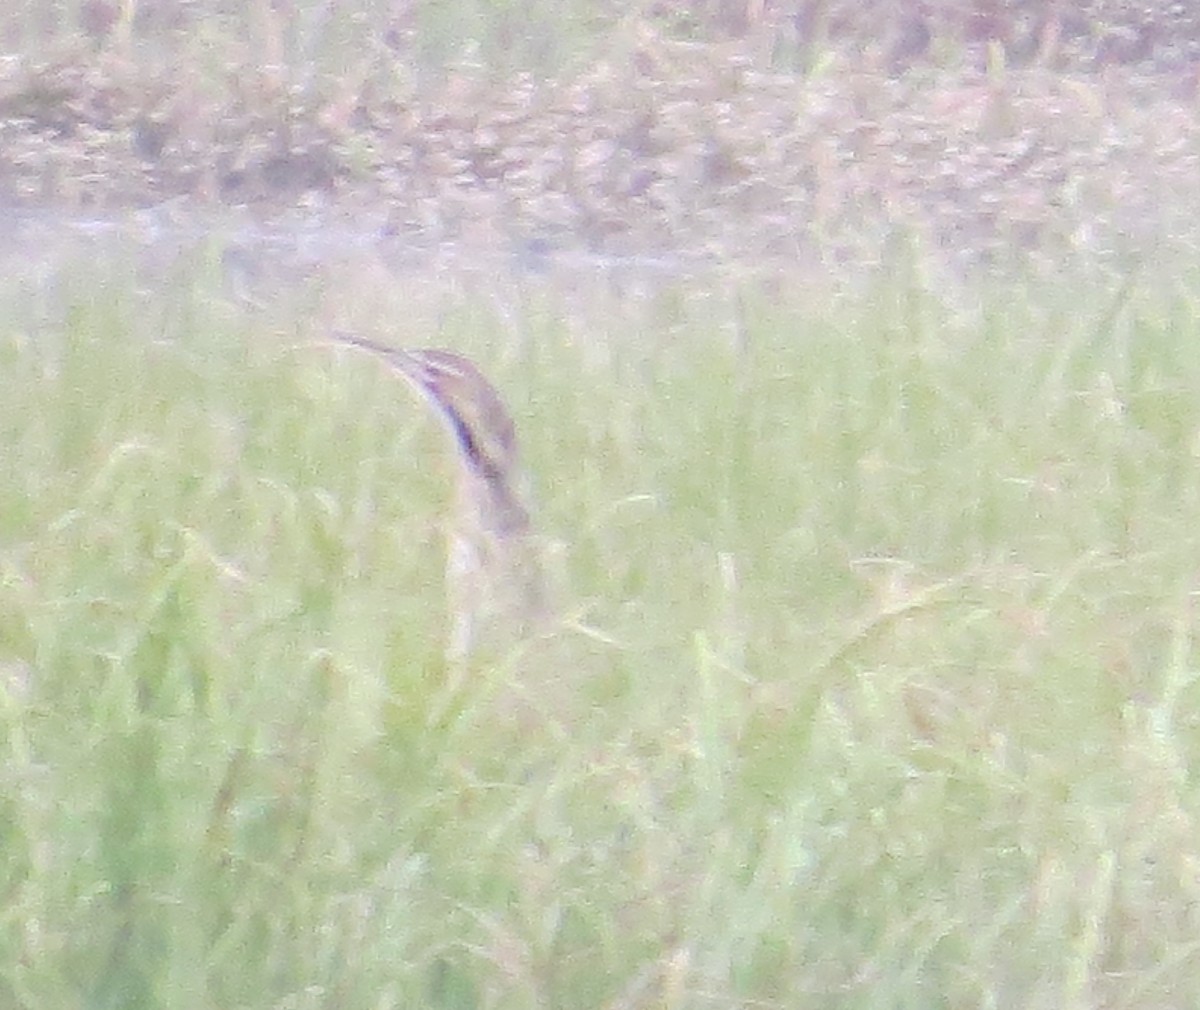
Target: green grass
[875, 685]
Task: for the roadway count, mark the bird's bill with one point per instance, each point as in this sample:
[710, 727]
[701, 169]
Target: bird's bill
[426, 369]
[466, 401]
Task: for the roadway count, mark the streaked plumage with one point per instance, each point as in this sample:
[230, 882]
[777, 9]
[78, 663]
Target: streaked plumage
[493, 576]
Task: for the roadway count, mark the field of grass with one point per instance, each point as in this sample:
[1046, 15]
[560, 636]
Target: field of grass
[874, 684]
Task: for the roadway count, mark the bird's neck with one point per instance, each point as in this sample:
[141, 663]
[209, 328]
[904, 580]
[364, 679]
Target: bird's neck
[491, 505]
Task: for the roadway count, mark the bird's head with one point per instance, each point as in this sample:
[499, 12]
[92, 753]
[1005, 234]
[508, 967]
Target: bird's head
[468, 404]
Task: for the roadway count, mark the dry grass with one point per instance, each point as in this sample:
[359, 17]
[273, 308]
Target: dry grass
[737, 130]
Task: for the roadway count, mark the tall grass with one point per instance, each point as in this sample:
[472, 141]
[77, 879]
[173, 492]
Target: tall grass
[314, 37]
[874, 684]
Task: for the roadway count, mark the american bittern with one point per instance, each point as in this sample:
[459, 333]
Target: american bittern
[493, 578]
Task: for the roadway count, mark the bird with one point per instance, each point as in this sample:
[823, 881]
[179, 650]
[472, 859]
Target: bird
[494, 580]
